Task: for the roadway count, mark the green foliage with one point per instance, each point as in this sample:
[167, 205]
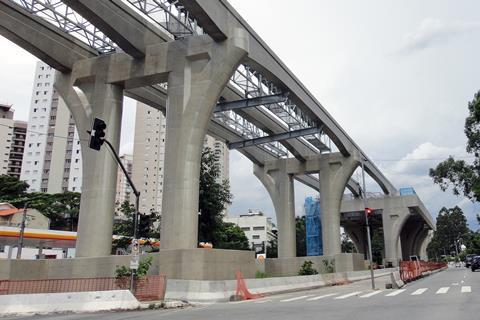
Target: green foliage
[11, 187]
[451, 226]
[272, 249]
[214, 196]
[260, 275]
[462, 177]
[143, 267]
[231, 236]
[61, 208]
[124, 227]
[329, 265]
[301, 236]
[378, 245]
[307, 269]
[347, 244]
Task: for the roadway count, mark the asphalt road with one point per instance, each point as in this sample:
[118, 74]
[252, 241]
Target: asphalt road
[453, 294]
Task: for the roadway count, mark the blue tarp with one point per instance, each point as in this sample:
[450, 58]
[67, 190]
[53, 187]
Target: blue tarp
[407, 191]
[313, 227]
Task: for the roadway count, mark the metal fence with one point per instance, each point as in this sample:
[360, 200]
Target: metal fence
[148, 288]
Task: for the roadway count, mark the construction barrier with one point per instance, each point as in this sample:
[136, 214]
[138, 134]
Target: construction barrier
[147, 288]
[412, 270]
[242, 291]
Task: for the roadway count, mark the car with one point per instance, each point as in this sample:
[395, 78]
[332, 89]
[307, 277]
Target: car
[468, 260]
[475, 264]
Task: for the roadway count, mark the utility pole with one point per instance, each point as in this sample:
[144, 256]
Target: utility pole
[364, 196]
[22, 231]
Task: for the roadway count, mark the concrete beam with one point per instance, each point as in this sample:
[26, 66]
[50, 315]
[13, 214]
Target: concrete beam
[48, 43]
[121, 24]
[214, 22]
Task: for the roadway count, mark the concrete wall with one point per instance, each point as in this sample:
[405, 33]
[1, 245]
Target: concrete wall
[189, 264]
[290, 266]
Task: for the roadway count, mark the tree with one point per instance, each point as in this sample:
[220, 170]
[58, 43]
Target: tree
[463, 177]
[11, 187]
[272, 249]
[214, 196]
[231, 236]
[148, 226]
[451, 226]
[347, 244]
[300, 236]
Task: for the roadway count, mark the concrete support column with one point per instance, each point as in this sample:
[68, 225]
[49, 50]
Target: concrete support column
[420, 239]
[279, 185]
[423, 248]
[410, 236]
[97, 99]
[359, 238]
[335, 171]
[393, 220]
[199, 71]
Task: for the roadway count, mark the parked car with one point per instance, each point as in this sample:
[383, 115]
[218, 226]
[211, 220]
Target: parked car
[475, 264]
[468, 260]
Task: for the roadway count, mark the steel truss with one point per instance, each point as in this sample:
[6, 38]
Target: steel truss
[63, 17]
[174, 19]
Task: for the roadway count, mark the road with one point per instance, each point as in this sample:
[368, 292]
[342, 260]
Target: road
[450, 294]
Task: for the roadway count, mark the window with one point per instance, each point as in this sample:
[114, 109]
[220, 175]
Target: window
[245, 228]
[258, 228]
[255, 236]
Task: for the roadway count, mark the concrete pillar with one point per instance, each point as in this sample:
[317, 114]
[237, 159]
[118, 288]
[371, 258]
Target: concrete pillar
[393, 219]
[98, 99]
[335, 171]
[359, 238]
[411, 235]
[280, 187]
[423, 247]
[199, 72]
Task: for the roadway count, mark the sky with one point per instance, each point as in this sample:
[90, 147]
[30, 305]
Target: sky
[396, 75]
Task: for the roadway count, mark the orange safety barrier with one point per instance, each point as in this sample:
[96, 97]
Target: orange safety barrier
[242, 290]
[148, 288]
[412, 270]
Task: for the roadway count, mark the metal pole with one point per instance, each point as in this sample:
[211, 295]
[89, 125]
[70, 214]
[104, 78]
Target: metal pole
[364, 196]
[22, 231]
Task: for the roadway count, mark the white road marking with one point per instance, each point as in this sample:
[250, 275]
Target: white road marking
[442, 290]
[263, 301]
[241, 301]
[455, 284]
[348, 295]
[295, 298]
[394, 293]
[419, 291]
[323, 296]
[466, 289]
[368, 295]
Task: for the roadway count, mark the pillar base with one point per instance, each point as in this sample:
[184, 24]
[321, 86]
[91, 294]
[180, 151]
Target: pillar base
[187, 264]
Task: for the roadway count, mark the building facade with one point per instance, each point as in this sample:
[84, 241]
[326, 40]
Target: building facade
[52, 158]
[17, 148]
[12, 142]
[149, 154]
[124, 190]
[258, 228]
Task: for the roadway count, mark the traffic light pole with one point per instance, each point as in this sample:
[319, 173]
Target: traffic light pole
[364, 196]
[137, 203]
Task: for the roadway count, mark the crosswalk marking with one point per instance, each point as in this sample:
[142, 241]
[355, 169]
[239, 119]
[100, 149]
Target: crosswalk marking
[348, 295]
[295, 298]
[419, 291]
[442, 290]
[394, 293]
[322, 296]
[368, 295]
[466, 289]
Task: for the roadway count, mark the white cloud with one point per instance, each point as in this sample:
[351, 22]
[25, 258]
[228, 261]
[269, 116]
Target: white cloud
[434, 31]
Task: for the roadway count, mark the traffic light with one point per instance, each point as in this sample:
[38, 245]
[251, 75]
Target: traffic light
[368, 212]
[97, 135]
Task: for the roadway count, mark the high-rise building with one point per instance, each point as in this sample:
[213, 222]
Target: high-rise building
[17, 148]
[6, 136]
[124, 190]
[12, 142]
[149, 154]
[52, 156]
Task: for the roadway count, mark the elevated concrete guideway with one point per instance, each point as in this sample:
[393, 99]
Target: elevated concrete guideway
[100, 57]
